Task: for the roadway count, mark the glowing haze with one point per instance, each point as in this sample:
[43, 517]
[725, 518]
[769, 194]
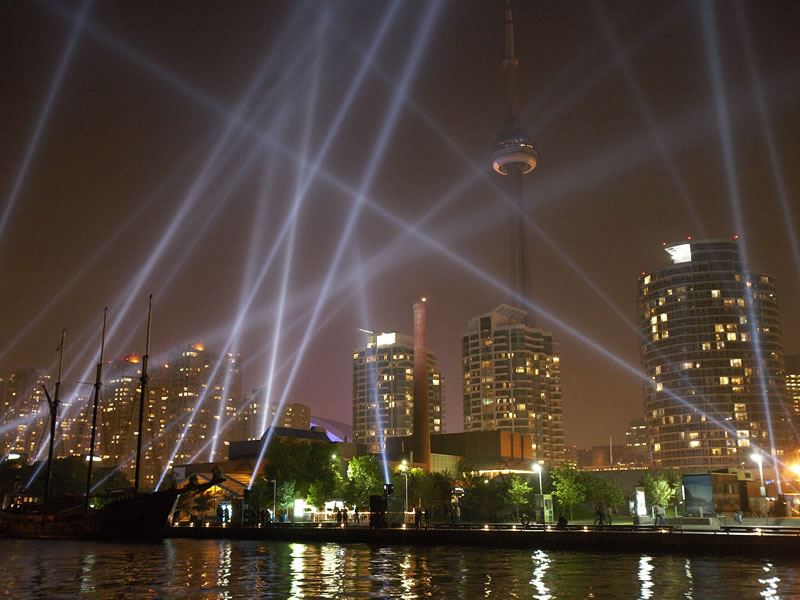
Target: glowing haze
[280, 175]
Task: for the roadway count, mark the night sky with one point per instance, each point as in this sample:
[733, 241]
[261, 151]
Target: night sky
[181, 134]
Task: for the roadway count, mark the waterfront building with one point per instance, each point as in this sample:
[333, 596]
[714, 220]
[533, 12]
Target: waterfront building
[203, 393]
[26, 417]
[74, 427]
[512, 380]
[792, 364]
[118, 419]
[637, 442]
[711, 348]
[383, 390]
[293, 415]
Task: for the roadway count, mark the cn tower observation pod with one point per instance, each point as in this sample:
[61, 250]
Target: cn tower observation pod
[513, 150]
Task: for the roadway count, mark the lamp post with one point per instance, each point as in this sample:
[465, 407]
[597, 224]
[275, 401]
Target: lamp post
[757, 458]
[404, 470]
[537, 468]
[274, 498]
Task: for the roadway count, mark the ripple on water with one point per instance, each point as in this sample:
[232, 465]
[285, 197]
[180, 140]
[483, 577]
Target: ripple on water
[225, 569]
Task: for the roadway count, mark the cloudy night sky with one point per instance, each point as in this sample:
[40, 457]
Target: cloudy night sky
[280, 174]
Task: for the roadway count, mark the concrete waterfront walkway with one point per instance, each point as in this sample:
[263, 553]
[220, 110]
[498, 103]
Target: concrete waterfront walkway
[765, 541]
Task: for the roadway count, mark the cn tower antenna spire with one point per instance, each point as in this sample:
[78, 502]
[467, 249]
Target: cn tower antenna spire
[510, 64]
[514, 157]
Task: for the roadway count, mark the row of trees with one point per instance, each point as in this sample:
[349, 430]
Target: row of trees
[312, 472]
[572, 487]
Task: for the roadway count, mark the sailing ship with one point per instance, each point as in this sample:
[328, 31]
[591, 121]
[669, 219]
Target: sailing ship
[125, 515]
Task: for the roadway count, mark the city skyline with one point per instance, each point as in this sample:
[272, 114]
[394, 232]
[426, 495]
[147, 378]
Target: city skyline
[623, 103]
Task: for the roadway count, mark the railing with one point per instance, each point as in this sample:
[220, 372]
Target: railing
[765, 530]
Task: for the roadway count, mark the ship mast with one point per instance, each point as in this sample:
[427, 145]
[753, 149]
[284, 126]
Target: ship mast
[97, 383]
[53, 404]
[142, 398]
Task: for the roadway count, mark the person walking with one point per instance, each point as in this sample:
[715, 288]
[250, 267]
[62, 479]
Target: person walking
[661, 512]
[599, 514]
[344, 516]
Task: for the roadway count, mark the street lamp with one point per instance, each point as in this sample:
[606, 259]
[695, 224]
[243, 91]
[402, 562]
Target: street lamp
[404, 470]
[274, 498]
[757, 458]
[537, 468]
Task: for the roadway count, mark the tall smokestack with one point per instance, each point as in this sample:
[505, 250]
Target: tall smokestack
[421, 440]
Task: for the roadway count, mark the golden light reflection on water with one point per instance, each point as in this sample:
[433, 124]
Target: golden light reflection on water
[223, 570]
[297, 570]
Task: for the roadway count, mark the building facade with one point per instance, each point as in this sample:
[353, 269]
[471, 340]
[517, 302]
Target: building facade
[252, 421]
[26, 416]
[792, 364]
[118, 419]
[383, 390]
[512, 380]
[203, 395]
[711, 347]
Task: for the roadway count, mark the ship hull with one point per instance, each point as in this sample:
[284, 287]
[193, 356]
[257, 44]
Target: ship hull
[139, 517]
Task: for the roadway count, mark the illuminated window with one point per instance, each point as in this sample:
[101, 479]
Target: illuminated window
[736, 362]
[731, 337]
[694, 444]
[715, 293]
[723, 381]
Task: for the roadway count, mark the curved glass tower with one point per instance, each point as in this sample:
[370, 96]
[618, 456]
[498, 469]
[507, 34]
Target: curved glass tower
[711, 346]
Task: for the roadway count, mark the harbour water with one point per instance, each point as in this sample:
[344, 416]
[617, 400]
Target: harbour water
[182, 568]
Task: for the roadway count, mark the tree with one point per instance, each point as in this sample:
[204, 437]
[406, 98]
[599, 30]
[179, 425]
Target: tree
[518, 494]
[599, 489]
[286, 495]
[483, 498]
[435, 489]
[660, 487]
[309, 466]
[567, 486]
[363, 479]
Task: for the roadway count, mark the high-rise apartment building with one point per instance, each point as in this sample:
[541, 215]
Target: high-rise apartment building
[26, 416]
[792, 364]
[711, 347]
[251, 425]
[118, 419]
[512, 380]
[383, 390]
[203, 394]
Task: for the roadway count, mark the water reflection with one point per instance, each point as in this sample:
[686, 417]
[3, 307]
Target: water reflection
[540, 563]
[770, 583]
[240, 569]
[645, 568]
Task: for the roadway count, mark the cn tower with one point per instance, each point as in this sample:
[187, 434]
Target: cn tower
[514, 156]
